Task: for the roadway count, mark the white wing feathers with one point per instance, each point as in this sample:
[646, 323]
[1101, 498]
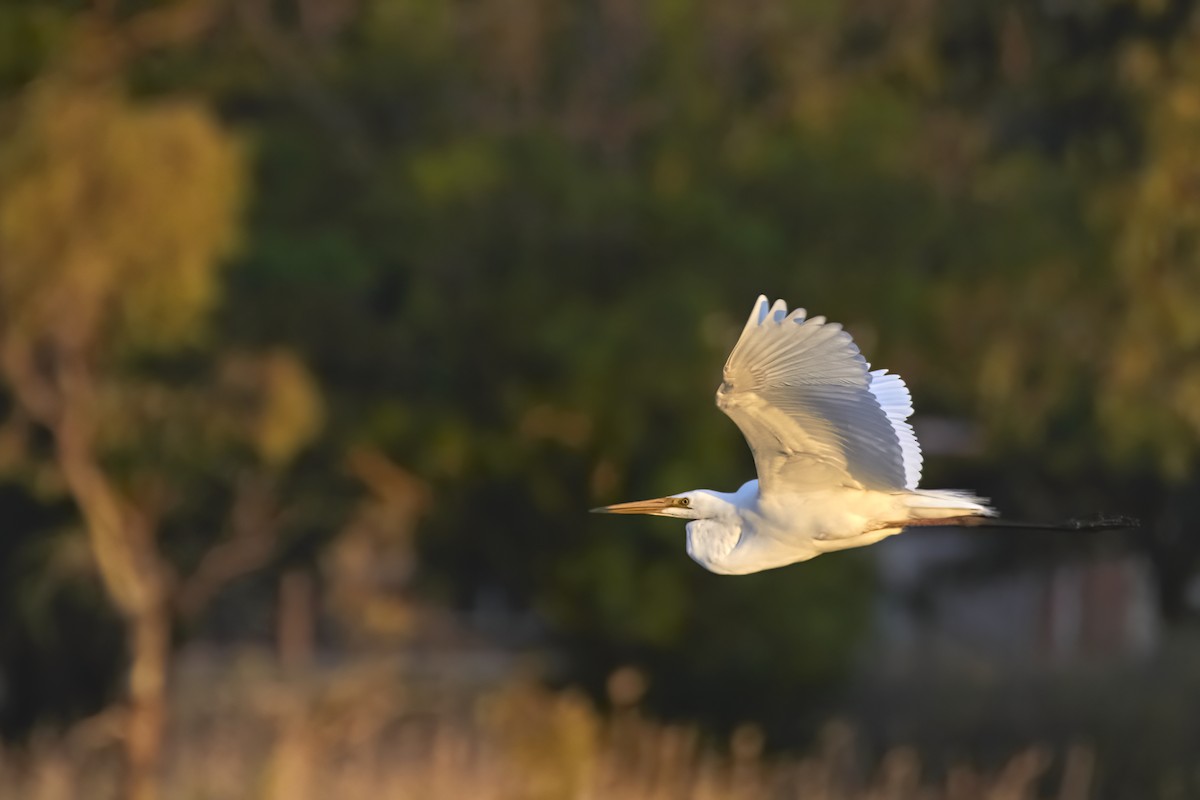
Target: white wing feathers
[811, 410]
[892, 395]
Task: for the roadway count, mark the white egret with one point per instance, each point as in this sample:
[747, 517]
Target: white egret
[838, 464]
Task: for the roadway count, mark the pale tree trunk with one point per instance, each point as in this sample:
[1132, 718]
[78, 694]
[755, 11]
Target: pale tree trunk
[56, 388]
[151, 647]
[294, 627]
[122, 540]
[123, 543]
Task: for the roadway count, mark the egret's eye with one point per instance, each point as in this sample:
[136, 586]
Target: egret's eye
[684, 501]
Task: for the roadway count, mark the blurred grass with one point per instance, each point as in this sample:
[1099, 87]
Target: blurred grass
[380, 729]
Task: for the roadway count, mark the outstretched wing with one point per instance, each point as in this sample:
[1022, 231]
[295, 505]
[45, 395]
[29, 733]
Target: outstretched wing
[812, 411]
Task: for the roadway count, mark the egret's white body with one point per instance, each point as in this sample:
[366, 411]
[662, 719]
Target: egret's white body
[838, 464]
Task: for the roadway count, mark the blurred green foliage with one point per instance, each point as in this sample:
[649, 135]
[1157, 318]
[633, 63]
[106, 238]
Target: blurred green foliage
[509, 245]
[80, 170]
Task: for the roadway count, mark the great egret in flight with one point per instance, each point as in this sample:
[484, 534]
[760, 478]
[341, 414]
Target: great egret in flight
[838, 464]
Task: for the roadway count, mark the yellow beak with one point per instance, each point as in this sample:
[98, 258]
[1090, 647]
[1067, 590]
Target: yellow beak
[655, 506]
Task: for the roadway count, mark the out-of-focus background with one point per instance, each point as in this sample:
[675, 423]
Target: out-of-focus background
[323, 322]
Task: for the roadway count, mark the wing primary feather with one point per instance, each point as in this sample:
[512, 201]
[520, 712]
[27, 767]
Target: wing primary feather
[893, 397]
[779, 311]
[757, 314]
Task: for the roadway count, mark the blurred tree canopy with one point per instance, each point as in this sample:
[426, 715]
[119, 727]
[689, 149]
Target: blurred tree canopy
[508, 246]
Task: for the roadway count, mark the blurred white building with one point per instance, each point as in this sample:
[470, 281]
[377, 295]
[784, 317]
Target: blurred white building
[936, 603]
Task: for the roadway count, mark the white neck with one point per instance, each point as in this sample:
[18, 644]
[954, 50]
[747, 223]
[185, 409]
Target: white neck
[719, 526]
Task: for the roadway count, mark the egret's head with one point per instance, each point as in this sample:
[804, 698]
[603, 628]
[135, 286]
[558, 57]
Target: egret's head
[687, 505]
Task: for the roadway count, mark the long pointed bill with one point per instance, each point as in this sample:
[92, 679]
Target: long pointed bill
[656, 506]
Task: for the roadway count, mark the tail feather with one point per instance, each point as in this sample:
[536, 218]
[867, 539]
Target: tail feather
[938, 503]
